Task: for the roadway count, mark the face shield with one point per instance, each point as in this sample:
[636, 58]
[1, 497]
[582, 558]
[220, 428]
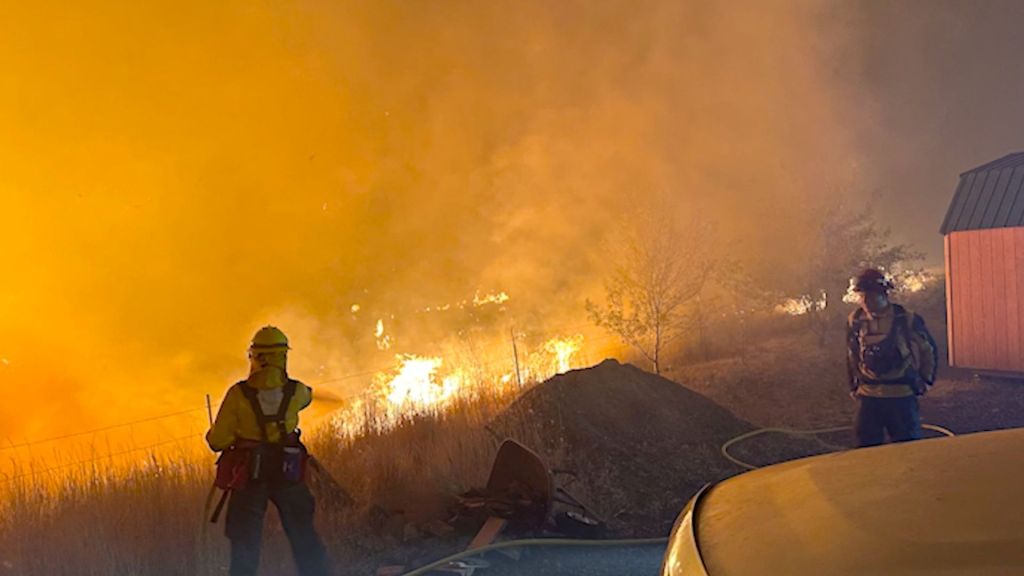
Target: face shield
[874, 301]
[267, 368]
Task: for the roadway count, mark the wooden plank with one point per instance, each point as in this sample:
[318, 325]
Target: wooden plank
[950, 295]
[987, 341]
[974, 307]
[958, 263]
[1018, 244]
[971, 300]
[1012, 306]
[962, 294]
[488, 532]
[1001, 360]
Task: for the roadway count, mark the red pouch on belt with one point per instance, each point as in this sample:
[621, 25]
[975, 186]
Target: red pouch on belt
[232, 469]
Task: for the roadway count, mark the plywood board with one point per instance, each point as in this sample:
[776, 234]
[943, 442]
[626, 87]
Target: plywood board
[950, 316]
[1015, 361]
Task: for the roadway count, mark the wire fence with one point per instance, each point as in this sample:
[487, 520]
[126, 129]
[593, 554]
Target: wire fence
[29, 444]
[108, 456]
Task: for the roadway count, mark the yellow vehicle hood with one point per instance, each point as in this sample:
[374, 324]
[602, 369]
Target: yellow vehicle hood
[941, 507]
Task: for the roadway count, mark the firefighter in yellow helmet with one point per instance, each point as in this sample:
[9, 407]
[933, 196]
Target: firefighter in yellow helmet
[891, 360]
[262, 459]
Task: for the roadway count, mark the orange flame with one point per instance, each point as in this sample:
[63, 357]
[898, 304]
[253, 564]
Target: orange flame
[419, 385]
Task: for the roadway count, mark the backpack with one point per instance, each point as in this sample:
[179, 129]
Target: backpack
[886, 355]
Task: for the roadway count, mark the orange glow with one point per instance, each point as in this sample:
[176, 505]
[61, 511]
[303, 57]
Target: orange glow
[428, 385]
[562, 350]
[802, 305]
[174, 175]
[383, 340]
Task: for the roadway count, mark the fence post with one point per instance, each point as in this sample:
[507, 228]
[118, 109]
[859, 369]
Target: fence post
[209, 410]
[515, 354]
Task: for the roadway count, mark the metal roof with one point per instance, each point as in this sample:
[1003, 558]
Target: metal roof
[988, 196]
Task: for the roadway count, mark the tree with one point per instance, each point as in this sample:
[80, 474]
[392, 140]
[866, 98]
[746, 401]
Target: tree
[662, 265]
[729, 298]
[846, 242]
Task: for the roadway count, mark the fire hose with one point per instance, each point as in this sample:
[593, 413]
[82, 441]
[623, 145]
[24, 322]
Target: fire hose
[536, 542]
[725, 447]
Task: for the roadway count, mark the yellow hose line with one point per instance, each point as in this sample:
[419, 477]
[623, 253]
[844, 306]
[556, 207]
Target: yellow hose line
[725, 447]
[939, 429]
[535, 542]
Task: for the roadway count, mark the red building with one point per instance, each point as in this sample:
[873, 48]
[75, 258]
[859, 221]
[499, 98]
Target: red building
[984, 249]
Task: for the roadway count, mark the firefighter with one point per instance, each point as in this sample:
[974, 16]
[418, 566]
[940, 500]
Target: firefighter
[262, 459]
[891, 360]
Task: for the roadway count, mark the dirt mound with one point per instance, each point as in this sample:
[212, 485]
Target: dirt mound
[640, 444]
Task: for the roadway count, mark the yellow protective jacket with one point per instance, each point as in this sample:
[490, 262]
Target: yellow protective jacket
[236, 419]
[916, 345]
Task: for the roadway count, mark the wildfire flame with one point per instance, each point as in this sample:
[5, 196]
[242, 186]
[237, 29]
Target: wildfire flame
[908, 281]
[563, 350]
[477, 301]
[423, 385]
[915, 281]
[383, 340]
[802, 305]
[416, 385]
[499, 298]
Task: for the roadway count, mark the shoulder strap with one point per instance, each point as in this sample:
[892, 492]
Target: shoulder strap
[252, 395]
[853, 328]
[282, 410]
[901, 321]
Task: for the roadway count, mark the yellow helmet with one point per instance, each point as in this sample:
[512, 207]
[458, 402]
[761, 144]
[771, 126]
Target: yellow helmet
[269, 339]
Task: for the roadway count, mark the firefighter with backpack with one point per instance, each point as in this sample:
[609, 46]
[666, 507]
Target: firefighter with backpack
[891, 360]
[262, 459]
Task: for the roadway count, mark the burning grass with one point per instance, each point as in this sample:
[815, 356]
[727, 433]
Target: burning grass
[401, 452]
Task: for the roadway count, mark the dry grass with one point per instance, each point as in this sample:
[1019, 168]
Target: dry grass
[109, 521]
[146, 518]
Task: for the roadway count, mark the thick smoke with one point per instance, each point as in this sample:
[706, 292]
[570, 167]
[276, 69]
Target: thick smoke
[175, 175]
[935, 90]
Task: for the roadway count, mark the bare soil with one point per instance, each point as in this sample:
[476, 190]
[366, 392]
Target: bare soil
[640, 444]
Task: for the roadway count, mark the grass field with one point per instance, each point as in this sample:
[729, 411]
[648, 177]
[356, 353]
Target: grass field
[145, 516]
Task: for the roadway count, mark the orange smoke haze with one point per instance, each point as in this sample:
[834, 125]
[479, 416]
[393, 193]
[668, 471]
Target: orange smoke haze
[174, 175]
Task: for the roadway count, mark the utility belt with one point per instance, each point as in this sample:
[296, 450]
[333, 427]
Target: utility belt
[250, 461]
[909, 378]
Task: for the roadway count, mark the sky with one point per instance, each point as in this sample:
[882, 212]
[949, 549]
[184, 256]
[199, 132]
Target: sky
[174, 175]
[942, 93]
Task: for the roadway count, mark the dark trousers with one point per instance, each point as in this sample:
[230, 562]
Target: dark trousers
[244, 527]
[897, 416]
